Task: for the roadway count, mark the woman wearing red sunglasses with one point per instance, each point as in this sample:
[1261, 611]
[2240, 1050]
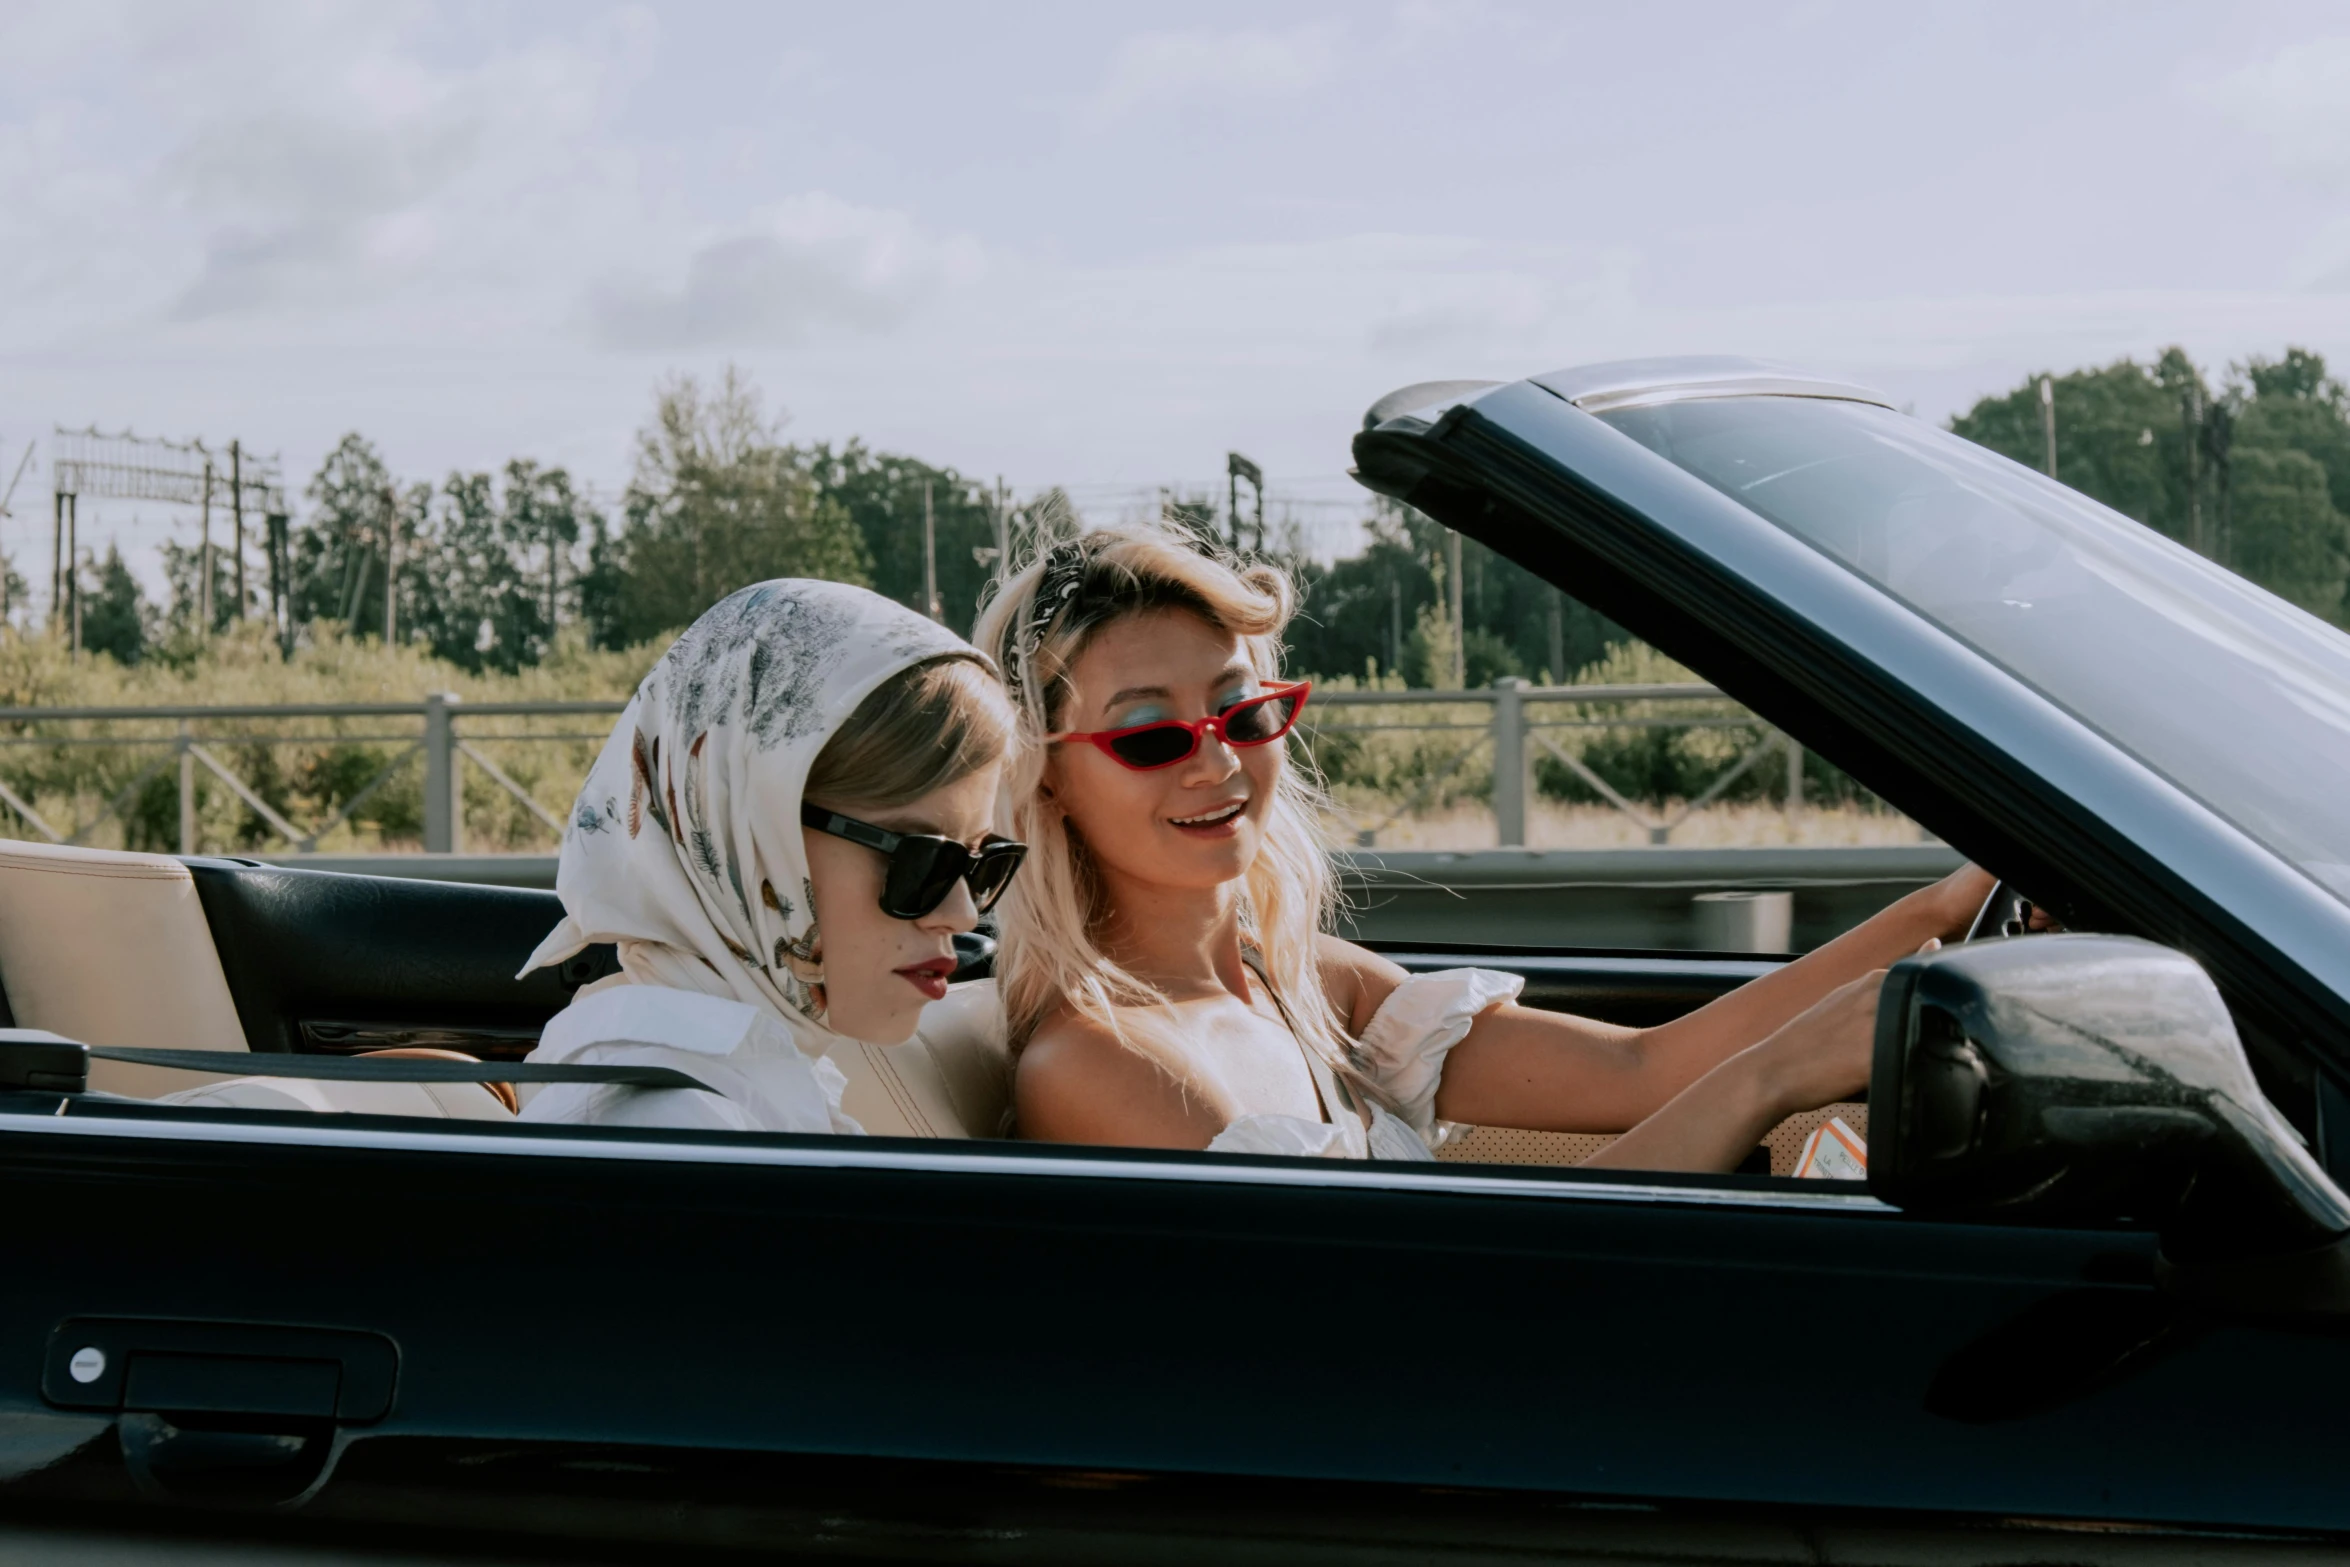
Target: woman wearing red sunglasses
[1166, 969]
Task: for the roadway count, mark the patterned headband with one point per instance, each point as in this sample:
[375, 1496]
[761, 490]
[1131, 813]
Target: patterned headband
[1056, 588]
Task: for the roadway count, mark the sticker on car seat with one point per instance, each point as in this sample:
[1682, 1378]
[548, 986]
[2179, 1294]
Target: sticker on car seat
[1833, 1152]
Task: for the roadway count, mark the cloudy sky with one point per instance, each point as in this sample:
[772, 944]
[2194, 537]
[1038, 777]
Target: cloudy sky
[1102, 244]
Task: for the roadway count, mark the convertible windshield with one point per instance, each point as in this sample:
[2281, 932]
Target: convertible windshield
[2235, 695]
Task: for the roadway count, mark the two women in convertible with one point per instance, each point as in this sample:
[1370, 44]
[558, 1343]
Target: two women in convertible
[1165, 976]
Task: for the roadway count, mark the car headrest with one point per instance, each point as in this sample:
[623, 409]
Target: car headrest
[353, 959]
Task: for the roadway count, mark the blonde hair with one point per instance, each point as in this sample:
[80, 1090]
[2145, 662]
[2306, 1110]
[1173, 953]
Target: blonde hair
[1052, 920]
[925, 727]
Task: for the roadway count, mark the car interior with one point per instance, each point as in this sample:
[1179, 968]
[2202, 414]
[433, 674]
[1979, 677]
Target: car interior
[122, 949]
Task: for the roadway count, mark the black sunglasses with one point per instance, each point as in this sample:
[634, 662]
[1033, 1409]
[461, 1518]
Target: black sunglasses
[923, 870]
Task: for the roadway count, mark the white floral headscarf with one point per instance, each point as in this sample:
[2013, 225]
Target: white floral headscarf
[685, 845]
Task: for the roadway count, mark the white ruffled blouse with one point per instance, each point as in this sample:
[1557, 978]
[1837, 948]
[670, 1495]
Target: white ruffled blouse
[761, 1080]
[1402, 1050]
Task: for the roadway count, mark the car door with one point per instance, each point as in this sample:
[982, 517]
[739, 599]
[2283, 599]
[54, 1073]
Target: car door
[628, 1320]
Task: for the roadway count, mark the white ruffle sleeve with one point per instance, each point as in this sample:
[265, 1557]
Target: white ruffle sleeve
[760, 1080]
[1404, 1046]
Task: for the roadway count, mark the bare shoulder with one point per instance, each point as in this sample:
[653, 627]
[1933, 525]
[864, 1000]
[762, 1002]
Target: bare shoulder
[1356, 979]
[1078, 1082]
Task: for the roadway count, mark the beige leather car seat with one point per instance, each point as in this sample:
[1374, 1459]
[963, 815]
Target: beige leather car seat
[1508, 1145]
[112, 948]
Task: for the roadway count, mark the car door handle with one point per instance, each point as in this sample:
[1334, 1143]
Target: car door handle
[136, 1364]
[224, 1413]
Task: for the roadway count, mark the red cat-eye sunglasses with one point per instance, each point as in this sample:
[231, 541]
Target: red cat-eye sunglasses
[1147, 747]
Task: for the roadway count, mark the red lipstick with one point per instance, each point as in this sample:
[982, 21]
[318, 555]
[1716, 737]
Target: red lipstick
[929, 976]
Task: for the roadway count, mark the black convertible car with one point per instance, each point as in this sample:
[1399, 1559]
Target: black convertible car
[2089, 1306]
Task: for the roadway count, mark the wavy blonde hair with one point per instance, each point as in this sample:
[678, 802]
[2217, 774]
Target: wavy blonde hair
[1053, 918]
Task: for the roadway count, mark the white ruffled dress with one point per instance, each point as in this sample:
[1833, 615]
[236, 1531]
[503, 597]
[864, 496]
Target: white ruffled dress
[1403, 1051]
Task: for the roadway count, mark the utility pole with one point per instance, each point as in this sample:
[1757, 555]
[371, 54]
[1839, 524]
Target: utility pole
[22, 463]
[2048, 422]
[1394, 626]
[2192, 408]
[2220, 432]
[236, 508]
[1452, 588]
[73, 571]
[57, 566]
[1003, 526]
[391, 566]
[204, 558]
[1237, 468]
[279, 621]
[554, 567]
[1558, 636]
[930, 557]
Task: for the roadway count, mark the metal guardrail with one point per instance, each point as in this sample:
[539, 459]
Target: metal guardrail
[1521, 721]
[1514, 721]
[443, 749]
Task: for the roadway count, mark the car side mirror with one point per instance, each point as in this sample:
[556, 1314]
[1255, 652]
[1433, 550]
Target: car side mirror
[2098, 1079]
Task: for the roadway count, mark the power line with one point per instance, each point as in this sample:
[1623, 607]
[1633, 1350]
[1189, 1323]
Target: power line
[126, 466]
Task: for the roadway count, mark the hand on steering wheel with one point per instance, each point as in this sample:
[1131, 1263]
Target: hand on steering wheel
[2007, 912]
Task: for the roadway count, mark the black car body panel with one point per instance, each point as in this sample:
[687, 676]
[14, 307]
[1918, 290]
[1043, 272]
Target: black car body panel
[1096, 1311]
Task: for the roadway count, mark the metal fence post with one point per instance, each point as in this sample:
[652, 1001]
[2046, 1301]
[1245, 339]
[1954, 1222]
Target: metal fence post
[1794, 782]
[1509, 760]
[444, 793]
[187, 792]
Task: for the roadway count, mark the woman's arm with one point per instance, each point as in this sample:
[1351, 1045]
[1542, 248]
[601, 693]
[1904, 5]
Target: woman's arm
[1551, 1071]
[1816, 1059]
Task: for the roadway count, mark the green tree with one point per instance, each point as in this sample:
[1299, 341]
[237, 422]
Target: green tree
[341, 553]
[882, 496]
[116, 617]
[2256, 476]
[716, 501]
[184, 572]
[2122, 434]
[1359, 615]
[2298, 377]
[2286, 534]
[485, 583]
[1368, 611]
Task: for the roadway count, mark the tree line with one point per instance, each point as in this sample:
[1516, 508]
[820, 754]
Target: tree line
[2251, 468]
[485, 569]
[2253, 471]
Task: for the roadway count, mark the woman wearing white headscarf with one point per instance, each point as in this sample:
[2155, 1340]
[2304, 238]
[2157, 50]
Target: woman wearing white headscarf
[783, 835]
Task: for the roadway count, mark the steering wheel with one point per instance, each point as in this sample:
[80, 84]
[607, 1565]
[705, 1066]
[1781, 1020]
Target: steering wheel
[2002, 914]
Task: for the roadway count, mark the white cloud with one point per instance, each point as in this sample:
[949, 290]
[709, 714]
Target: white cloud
[2299, 101]
[265, 168]
[386, 171]
[816, 263]
[1167, 69]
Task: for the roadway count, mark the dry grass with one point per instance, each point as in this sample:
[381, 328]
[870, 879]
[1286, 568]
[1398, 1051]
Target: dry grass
[72, 783]
[1420, 788]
